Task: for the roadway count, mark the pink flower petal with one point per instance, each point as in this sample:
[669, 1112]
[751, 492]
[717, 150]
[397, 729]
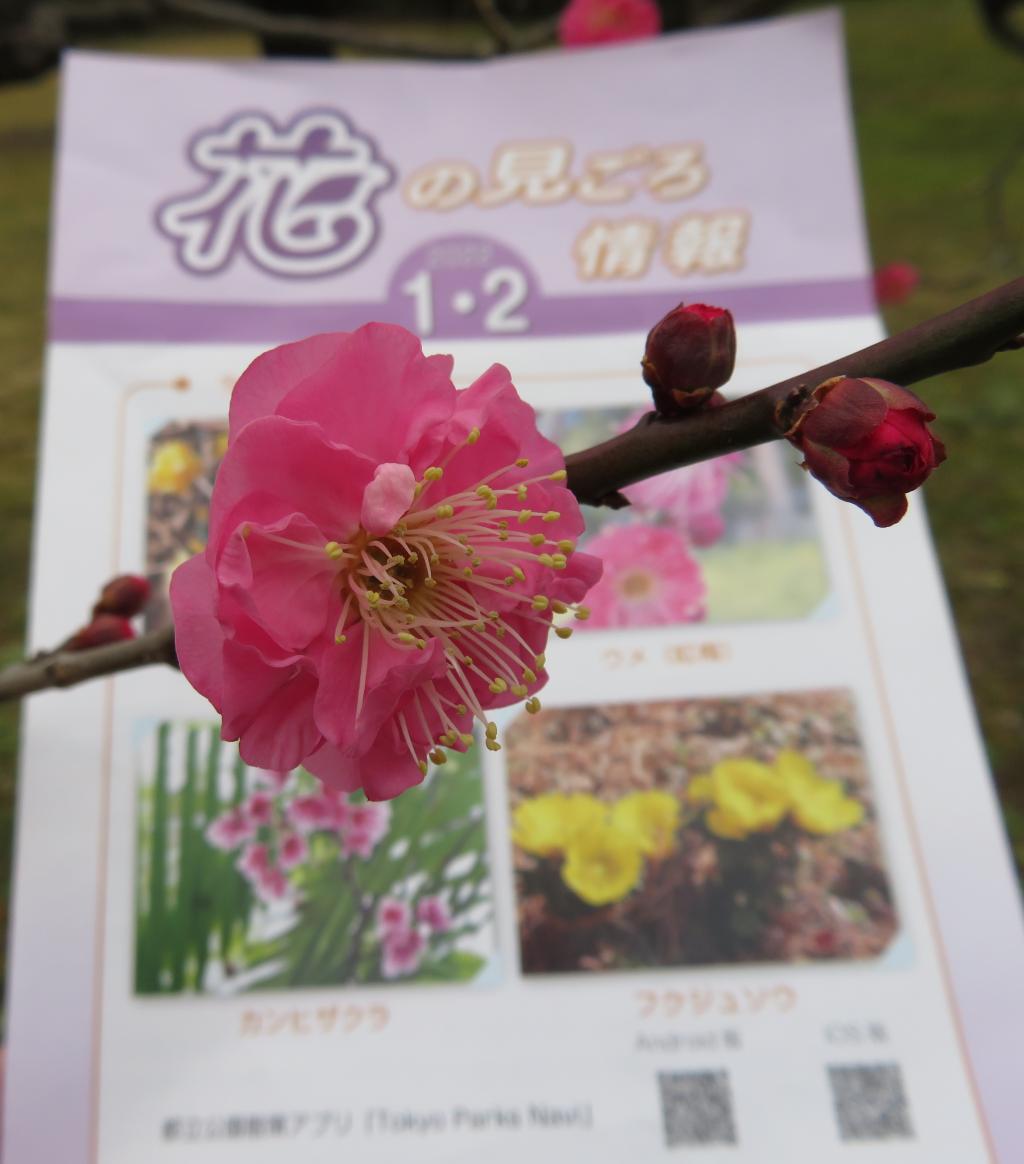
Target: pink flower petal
[387, 497]
[198, 637]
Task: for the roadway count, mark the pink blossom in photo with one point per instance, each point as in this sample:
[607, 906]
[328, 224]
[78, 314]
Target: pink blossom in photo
[371, 818]
[691, 498]
[308, 813]
[434, 914]
[650, 578]
[255, 859]
[260, 808]
[271, 884]
[292, 850]
[372, 528]
[402, 952]
[393, 915]
[230, 830]
[585, 22]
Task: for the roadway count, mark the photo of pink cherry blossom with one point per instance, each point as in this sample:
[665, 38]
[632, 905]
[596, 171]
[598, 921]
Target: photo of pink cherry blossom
[255, 880]
[723, 541]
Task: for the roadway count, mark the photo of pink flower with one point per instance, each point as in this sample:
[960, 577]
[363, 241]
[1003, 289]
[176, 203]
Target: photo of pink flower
[741, 527]
[248, 881]
[650, 579]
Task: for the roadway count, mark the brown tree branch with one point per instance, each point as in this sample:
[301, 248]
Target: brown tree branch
[66, 668]
[969, 334]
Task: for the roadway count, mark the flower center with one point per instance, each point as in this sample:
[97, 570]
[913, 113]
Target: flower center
[636, 585]
[459, 569]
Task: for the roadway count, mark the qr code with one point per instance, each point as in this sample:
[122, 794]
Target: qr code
[696, 1108]
[870, 1102]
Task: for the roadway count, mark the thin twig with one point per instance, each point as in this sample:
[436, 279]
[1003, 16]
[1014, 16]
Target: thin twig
[970, 334]
[66, 668]
[348, 34]
[508, 37]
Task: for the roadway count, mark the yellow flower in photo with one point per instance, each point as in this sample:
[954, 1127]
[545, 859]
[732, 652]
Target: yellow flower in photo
[602, 865]
[546, 824]
[747, 797]
[650, 819]
[818, 805]
[701, 790]
[174, 467]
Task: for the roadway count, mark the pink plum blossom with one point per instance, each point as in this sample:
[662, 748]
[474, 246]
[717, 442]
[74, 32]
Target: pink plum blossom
[365, 825]
[383, 556]
[433, 913]
[292, 850]
[230, 829]
[650, 578]
[393, 914]
[691, 498]
[586, 22]
[402, 952]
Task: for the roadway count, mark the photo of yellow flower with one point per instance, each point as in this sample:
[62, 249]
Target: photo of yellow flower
[696, 832]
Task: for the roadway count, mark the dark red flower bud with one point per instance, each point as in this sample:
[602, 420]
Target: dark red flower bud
[689, 354]
[867, 441]
[104, 628]
[125, 595]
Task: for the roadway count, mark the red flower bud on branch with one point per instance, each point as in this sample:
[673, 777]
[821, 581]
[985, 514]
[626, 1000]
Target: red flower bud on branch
[104, 628]
[689, 354]
[124, 595]
[867, 441]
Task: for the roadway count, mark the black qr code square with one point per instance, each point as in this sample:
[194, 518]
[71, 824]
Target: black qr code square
[696, 1108]
[870, 1102]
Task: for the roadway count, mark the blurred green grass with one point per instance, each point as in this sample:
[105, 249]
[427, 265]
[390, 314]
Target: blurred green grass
[939, 111]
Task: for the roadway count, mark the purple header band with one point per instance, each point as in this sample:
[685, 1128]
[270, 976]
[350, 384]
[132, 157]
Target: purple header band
[114, 320]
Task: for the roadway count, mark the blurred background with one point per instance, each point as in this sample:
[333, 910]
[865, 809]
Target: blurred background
[938, 93]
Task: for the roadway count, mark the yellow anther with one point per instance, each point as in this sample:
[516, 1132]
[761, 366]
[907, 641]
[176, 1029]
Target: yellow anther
[245, 530]
[491, 731]
[422, 767]
[448, 738]
[339, 639]
[559, 607]
[558, 475]
[499, 630]
[537, 539]
[430, 583]
[476, 561]
[532, 705]
[468, 571]
[397, 560]
[519, 689]
[473, 436]
[503, 535]
[466, 739]
[443, 511]
[468, 660]
[492, 614]
[521, 492]
[559, 561]
[497, 686]
[563, 632]
[524, 515]
[372, 597]
[333, 550]
[434, 473]
[406, 638]
[493, 745]
[461, 709]
[539, 661]
[582, 613]
[435, 560]
[438, 757]
[551, 515]
[566, 546]
[529, 675]
[522, 462]
[540, 602]
[479, 626]
[519, 575]
[545, 559]
[417, 489]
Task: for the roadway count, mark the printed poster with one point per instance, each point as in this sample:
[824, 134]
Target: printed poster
[203, 960]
